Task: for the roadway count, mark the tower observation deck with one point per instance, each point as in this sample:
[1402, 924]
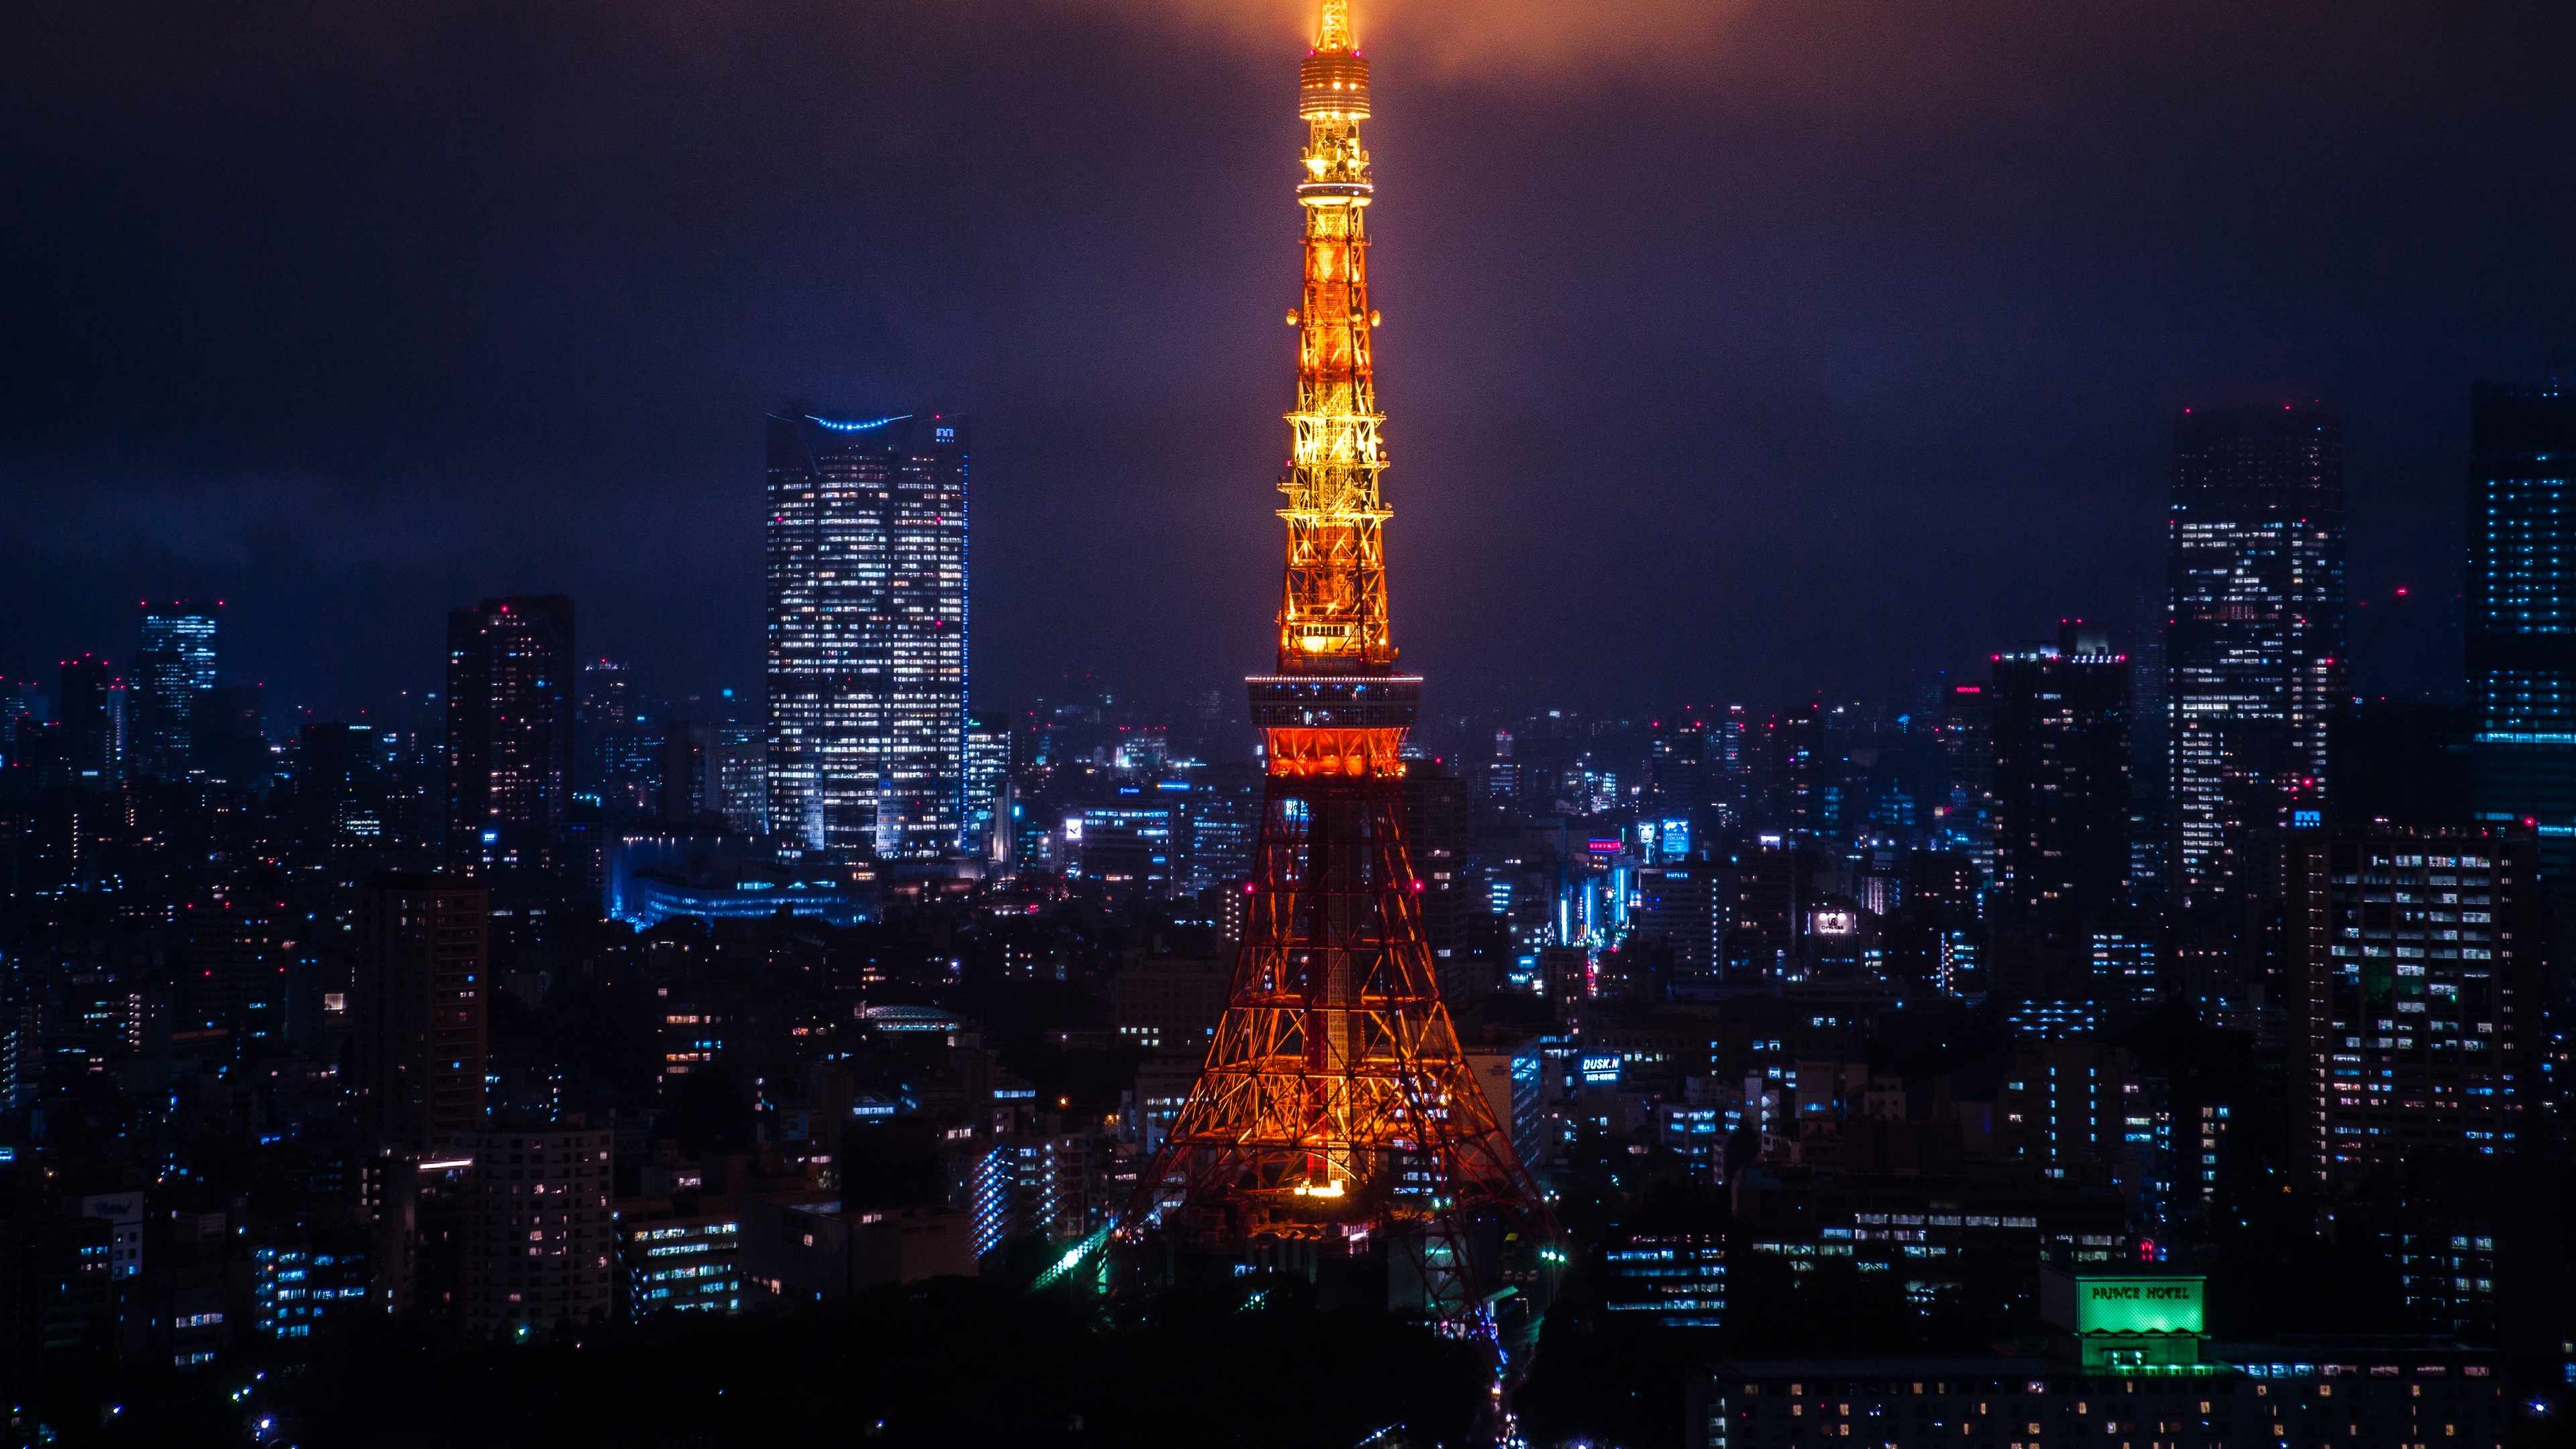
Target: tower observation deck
[1336, 1115]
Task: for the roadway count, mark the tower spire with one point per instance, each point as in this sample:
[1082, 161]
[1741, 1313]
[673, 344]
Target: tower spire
[1332, 613]
[1336, 1112]
[1335, 31]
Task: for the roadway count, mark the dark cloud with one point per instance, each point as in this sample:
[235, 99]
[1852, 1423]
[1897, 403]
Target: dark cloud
[1800, 349]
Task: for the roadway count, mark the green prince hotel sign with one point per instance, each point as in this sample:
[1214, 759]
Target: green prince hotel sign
[2137, 1305]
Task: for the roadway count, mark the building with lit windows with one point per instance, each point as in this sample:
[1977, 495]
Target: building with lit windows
[1678, 904]
[988, 787]
[539, 1240]
[2125, 970]
[1675, 1280]
[1163, 1082]
[124, 1212]
[93, 753]
[2254, 637]
[1033, 1182]
[867, 602]
[295, 1290]
[715, 771]
[2383, 1392]
[510, 700]
[1968, 759]
[1697, 1135]
[1218, 813]
[1678, 765]
[1169, 1003]
[173, 669]
[1939, 1228]
[1128, 847]
[422, 993]
[2065, 1104]
[2522, 611]
[2416, 991]
[2128, 1363]
[2060, 720]
[684, 1263]
[796, 1252]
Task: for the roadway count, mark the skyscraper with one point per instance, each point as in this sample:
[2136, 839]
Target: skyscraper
[607, 696]
[2254, 635]
[867, 632]
[2416, 992]
[689, 787]
[2522, 611]
[740, 769]
[1968, 764]
[1679, 765]
[88, 714]
[172, 669]
[715, 770]
[339, 798]
[988, 786]
[2061, 781]
[620, 757]
[509, 732]
[423, 987]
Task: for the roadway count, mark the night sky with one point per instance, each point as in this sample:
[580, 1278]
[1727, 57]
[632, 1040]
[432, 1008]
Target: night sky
[1731, 352]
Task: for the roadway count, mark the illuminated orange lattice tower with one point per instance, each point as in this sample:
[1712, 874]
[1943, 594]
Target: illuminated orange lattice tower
[1335, 1105]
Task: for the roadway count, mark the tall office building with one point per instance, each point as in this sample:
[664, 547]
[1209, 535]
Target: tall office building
[1679, 766]
[339, 799]
[2254, 635]
[89, 718]
[711, 770]
[620, 754]
[2061, 781]
[2522, 611]
[2150, 833]
[1968, 760]
[509, 732]
[1799, 763]
[1679, 904]
[228, 737]
[740, 770]
[988, 786]
[235, 950]
[423, 988]
[607, 699]
[2416, 984]
[688, 767]
[173, 668]
[867, 633]
[1727, 767]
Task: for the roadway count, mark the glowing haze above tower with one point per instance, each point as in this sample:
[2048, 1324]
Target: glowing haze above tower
[1332, 613]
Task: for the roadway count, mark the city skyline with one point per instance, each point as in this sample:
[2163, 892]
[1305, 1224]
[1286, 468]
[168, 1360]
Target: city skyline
[1941, 410]
[1881, 925]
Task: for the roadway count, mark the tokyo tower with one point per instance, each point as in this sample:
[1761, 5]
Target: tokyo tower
[1335, 1106]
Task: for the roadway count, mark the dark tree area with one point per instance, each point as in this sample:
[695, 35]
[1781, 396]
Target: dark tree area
[953, 1362]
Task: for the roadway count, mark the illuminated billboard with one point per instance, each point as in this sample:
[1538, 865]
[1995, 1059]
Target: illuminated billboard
[2137, 1305]
[2122, 1303]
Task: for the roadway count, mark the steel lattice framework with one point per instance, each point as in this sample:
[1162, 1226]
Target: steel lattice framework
[1335, 1102]
[1332, 616]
